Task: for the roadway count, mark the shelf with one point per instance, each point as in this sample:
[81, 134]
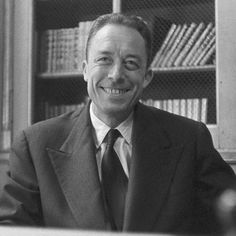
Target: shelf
[61, 75]
[206, 68]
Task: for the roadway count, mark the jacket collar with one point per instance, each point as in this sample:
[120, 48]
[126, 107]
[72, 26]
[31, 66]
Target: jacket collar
[76, 169]
[153, 166]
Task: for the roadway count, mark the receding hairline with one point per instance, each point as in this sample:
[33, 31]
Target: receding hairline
[129, 21]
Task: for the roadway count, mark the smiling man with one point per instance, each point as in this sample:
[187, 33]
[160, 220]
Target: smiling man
[116, 164]
[116, 71]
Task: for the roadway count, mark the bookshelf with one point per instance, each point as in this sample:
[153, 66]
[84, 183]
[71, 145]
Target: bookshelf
[214, 79]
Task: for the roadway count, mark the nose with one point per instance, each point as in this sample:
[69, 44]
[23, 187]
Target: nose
[116, 72]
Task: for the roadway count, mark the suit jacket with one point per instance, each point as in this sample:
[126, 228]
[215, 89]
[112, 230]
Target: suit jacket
[175, 175]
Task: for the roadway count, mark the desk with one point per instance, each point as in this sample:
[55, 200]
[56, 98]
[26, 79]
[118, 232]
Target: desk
[27, 231]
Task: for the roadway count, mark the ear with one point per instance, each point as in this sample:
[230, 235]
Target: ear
[148, 78]
[85, 70]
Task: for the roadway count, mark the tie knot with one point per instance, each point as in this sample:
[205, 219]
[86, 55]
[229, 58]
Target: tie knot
[112, 135]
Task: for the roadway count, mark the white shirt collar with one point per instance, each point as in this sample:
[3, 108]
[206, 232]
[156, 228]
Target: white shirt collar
[101, 129]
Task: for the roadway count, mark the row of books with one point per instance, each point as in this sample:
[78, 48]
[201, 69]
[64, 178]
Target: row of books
[187, 45]
[195, 108]
[63, 50]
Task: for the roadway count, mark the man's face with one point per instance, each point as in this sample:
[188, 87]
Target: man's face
[116, 70]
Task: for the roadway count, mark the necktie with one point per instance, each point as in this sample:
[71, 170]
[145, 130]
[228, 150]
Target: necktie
[114, 182]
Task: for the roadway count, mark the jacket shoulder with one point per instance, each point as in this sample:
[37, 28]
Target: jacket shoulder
[51, 130]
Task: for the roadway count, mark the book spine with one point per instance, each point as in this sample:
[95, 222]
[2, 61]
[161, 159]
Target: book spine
[208, 55]
[189, 111]
[50, 51]
[157, 104]
[75, 47]
[183, 108]
[60, 54]
[202, 46]
[196, 109]
[176, 106]
[203, 111]
[199, 41]
[80, 44]
[163, 46]
[170, 105]
[180, 45]
[168, 46]
[189, 46]
[175, 44]
[205, 51]
[54, 50]
[180, 50]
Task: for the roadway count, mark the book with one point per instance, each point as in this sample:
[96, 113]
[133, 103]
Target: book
[208, 55]
[157, 104]
[209, 47]
[201, 48]
[174, 45]
[204, 102]
[176, 106]
[76, 50]
[164, 105]
[187, 51]
[162, 30]
[46, 45]
[82, 33]
[169, 107]
[181, 44]
[196, 109]
[198, 42]
[189, 108]
[183, 108]
[168, 46]
[163, 46]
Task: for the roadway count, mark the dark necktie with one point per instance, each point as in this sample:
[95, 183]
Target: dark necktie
[114, 182]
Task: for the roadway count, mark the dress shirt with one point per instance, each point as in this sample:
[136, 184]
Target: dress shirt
[122, 146]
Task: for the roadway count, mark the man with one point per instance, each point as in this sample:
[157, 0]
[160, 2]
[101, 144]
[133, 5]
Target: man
[171, 173]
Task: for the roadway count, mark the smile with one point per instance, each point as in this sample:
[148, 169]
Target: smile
[115, 91]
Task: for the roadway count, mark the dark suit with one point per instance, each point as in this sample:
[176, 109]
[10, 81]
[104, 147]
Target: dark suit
[175, 175]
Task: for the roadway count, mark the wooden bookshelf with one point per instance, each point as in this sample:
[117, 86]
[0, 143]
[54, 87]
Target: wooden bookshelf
[214, 80]
[180, 69]
[60, 75]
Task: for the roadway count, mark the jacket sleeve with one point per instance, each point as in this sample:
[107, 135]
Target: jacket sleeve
[213, 176]
[20, 199]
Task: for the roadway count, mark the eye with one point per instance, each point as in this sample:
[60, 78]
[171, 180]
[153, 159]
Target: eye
[132, 65]
[104, 60]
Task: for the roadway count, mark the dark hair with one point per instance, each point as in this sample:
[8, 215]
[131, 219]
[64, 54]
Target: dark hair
[131, 21]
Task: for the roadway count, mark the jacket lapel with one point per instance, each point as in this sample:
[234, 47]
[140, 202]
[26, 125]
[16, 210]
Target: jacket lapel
[76, 169]
[153, 165]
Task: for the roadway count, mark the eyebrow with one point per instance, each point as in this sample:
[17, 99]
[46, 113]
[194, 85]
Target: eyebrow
[135, 56]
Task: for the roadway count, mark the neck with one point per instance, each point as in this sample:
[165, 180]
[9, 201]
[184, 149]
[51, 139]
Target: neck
[112, 119]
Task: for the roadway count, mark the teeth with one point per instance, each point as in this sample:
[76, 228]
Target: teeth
[114, 91]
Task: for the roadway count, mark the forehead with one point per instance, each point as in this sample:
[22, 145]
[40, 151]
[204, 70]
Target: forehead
[118, 36]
